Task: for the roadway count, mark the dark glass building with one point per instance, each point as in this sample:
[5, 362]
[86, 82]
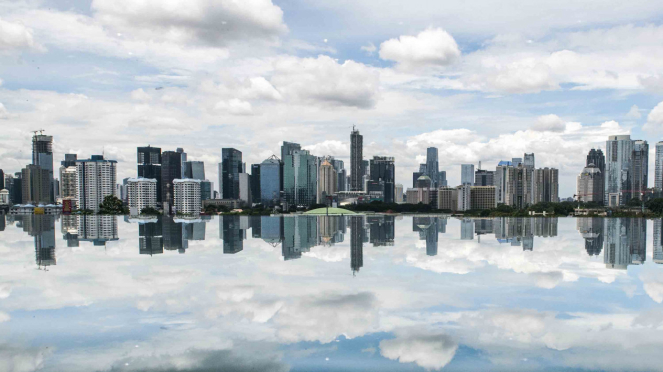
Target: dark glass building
[149, 166]
[171, 169]
[356, 161]
[255, 183]
[231, 167]
[383, 177]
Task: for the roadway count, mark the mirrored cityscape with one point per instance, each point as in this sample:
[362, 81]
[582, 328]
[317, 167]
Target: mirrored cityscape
[298, 293]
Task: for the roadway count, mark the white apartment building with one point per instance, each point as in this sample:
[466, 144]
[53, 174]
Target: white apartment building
[141, 194]
[187, 196]
[97, 178]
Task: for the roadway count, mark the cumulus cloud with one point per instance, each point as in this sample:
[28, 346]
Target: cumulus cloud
[432, 351]
[634, 112]
[140, 95]
[234, 106]
[432, 47]
[655, 119]
[325, 81]
[15, 36]
[549, 123]
[201, 21]
[4, 317]
[369, 49]
[4, 114]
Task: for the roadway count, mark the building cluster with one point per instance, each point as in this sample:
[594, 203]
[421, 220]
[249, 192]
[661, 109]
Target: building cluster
[621, 174]
[516, 183]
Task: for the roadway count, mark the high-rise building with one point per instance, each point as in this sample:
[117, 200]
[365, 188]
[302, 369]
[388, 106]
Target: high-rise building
[231, 167]
[484, 177]
[442, 179]
[382, 177]
[529, 160]
[356, 160]
[287, 148]
[658, 170]
[245, 189]
[97, 179]
[69, 183]
[482, 197]
[618, 170]
[255, 183]
[467, 174]
[464, 197]
[149, 166]
[341, 174]
[194, 170]
[42, 155]
[596, 157]
[183, 162]
[206, 188]
[141, 194]
[300, 178]
[356, 243]
[2, 179]
[398, 194]
[187, 196]
[640, 168]
[545, 185]
[518, 192]
[516, 161]
[432, 165]
[590, 184]
[171, 169]
[36, 183]
[327, 181]
[447, 199]
[270, 180]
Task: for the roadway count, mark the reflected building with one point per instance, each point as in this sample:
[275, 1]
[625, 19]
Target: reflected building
[232, 234]
[356, 243]
[466, 229]
[97, 229]
[69, 229]
[591, 230]
[330, 229]
[427, 228]
[626, 241]
[658, 248]
[300, 235]
[271, 230]
[42, 228]
[150, 236]
[173, 235]
[483, 226]
[382, 230]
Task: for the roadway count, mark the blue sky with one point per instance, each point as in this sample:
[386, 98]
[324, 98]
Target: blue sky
[480, 80]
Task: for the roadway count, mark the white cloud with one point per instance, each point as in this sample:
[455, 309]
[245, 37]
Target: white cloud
[4, 317]
[369, 49]
[426, 349]
[199, 21]
[430, 48]
[15, 36]
[4, 114]
[655, 119]
[325, 81]
[235, 106]
[634, 112]
[140, 95]
[549, 123]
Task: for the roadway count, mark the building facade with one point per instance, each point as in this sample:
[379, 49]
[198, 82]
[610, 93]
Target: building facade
[231, 167]
[270, 180]
[467, 174]
[463, 197]
[640, 169]
[36, 184]
[545, 185]
[618, 170]
[356, 160]
[42, 156]
[484, 177]
[327, 181]
[97, 179]
[432, 165]
[187, 196]
[518, 192]
[141, 194]
[171, 169]
[590, 185]
[383, 177]
[658, 171]
[245, 189]
[149, 166]
[300, 178]
[482, 197]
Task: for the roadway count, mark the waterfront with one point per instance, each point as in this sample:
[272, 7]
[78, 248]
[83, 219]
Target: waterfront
[302, 293]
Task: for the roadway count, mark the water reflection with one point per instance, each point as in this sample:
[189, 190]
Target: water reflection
[276, 293]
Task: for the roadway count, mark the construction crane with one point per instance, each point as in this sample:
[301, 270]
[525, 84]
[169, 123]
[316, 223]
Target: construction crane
[40, 131]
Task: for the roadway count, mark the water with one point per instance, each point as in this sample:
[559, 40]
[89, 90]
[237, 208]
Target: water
[370, 293]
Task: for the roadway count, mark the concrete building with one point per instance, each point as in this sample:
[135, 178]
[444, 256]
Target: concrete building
[245, 189]
[482, 197]
[618, 170]
[500, 178]
[382, 178]
[36, 184]
[447, 198]
[42, 156]
[187, 196]
[398, 194]
[4, 197]
[590, 185]
[97, 179]
[518, 186]
[529, 160]
[69, 183]
[640, 168]
[141, 194]
[149, 166]
[484, 177]
[658, 167]
[327, 181]
[467, 174]
[463, 197]
[356, 161]
[597, 158]
[545, 185]
[231, 167]
[418, 195]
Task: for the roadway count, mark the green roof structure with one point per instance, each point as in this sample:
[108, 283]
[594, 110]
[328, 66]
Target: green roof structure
[330, 211]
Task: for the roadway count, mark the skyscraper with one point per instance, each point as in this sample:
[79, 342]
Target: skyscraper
[640, 168]
[231, 167]
[270, 179]
[356, 243]
[545, 185]
[484, 177]
[467, 174]
[432, 165]
[590, 184]
[171, 169]
[383, 177]
[42, 155]
[149, 166]
[69, 179]
[658, 171]
[194, 170]
[300, 178]
[287, 148]
[327, 181]
[529, 160]
[255, 183]
[518, 186]
[442, 179]
[97, 179]
[618, 170]
[356, 160]
[183, 162]
[36, 185]
[597, 158]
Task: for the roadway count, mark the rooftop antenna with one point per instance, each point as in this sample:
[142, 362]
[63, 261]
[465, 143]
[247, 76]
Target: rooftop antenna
[40, 131]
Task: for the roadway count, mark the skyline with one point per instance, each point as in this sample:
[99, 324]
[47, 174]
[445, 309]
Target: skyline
[478, 90]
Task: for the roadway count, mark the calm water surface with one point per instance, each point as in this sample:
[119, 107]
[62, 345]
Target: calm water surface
[374, 293]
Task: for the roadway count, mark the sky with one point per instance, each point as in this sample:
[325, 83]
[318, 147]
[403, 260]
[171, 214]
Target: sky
[477, 305]
[481, 80]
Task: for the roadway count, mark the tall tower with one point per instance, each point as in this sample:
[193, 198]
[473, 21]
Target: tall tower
[640, 168]
[618, 170]
[42, 155]
[231, 167]
[658, 171]
[432, 165]
[356, 160]
[149, 166]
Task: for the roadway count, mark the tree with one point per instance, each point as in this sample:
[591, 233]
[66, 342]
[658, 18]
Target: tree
[112, 205]
[149, 211]
[655, 205]
[634, 202]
